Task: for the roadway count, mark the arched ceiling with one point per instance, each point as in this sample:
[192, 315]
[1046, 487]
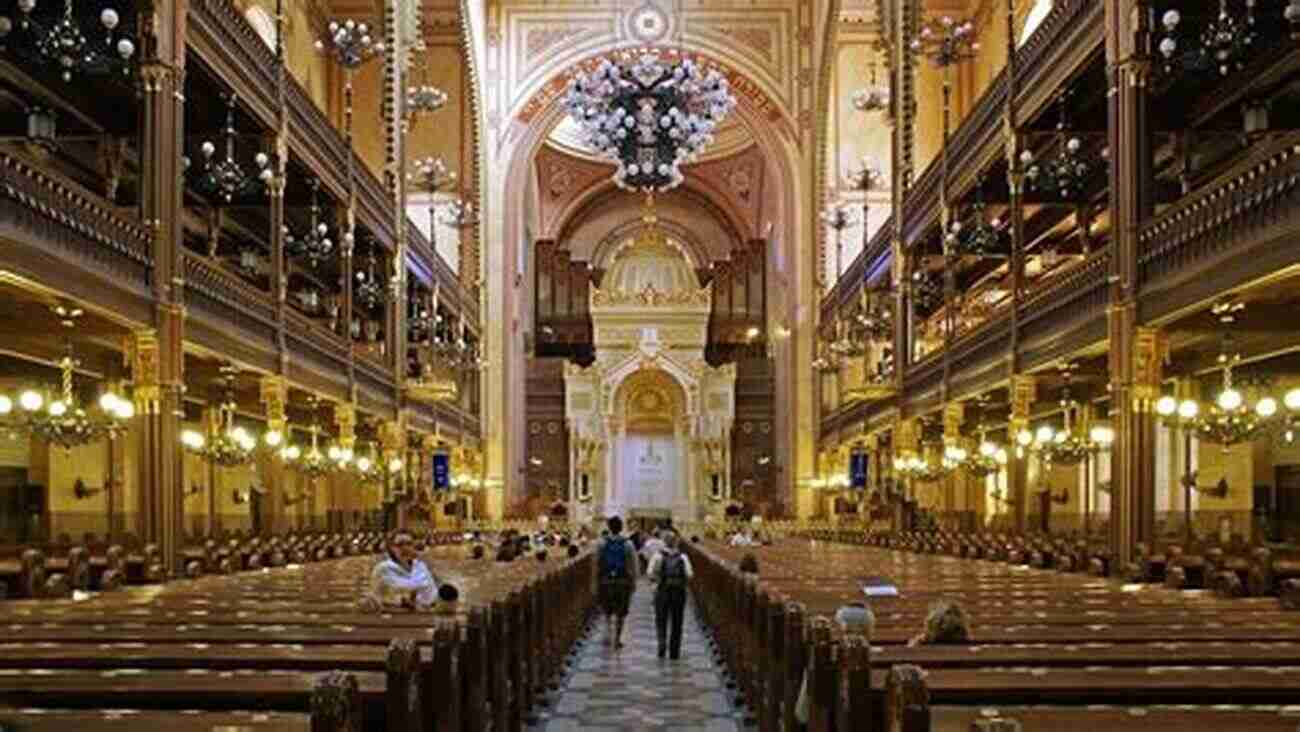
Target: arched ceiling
[718, 207]
[603, 222]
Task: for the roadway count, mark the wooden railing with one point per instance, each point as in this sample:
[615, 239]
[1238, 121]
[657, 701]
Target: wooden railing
[1245, 197]
[228, 299]
[84, 225]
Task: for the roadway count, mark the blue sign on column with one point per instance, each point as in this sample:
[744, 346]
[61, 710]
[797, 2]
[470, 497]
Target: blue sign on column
[858, 470]
[441, 471]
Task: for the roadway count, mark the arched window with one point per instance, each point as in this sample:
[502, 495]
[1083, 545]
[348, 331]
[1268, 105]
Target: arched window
[263, 23]
[1036, 15]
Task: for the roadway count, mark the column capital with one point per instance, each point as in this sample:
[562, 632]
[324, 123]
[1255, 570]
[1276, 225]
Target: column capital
[953, 416]
[1024, 392]
[345, 417]
[1150, 351]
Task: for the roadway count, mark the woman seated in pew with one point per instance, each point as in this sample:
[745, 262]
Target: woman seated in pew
[945, 624]
[402, 579]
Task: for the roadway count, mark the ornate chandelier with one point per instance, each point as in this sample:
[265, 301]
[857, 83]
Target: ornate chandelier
[370, 287]
[1065, 174]
[986, 460]
[649, 115]
[59, 418]
[312, 463]
[350, 44]
[225, 178]
[1229, 419]
[458, 213]
[874, 97]
[228, 445]
[980, 238]
[1225, 42]
[316, 245]
[66, 45]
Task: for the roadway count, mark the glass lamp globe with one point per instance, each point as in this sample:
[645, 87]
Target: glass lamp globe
[1024, 438]
[1044, 434]
[30, 400]
[6, 404]
[988, 449]
[1266, 407]
[273, 438]
[1188, 409]
[1167, 406]
[1292, 400]
[1230, 399]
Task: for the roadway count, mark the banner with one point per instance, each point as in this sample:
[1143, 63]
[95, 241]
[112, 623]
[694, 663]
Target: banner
[858, 470]
[441, 471]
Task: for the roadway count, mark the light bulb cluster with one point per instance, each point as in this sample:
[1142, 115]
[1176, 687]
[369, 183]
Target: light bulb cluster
[350, 43]
[65, 45]
[649, 115]
[223, 177]
[56, 416]
[422, 99]
[1230, 419]
[1225, 41]
[316, 245]
[946, 41]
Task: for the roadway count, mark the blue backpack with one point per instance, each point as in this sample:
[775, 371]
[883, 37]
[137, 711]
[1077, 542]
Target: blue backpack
[613, 558]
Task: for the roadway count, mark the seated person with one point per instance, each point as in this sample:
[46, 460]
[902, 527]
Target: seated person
[402, 579]
[946, 624]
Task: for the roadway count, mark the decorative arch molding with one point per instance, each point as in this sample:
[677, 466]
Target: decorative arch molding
[696, 252]
[600, 194]
[638, 361]
[760, 101]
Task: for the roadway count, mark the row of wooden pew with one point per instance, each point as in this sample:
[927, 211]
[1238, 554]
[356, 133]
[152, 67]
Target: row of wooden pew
[287, 648]
[58, 569]
[1053, 650]
[1231, 570]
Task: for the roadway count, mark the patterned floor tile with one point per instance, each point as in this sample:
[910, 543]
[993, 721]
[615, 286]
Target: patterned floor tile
[632, 689]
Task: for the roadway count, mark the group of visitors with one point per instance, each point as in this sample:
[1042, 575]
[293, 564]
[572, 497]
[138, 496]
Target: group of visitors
[618, 567]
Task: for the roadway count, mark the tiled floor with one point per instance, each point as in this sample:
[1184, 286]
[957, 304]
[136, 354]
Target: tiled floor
[632, 689]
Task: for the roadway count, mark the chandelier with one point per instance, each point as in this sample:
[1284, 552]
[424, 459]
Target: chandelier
[874, 97]
[1229, 419]
[1065, 174]
[1225, 42]
[67, 45]
[927, 292]
[986, 460]
[649, 115]
[946, 42]
[980, 238]
[423, 99]
[457, 213]
[826, 362]
[58, 418]
[365, 469]
[431, 174]
[350, 44]
[312, 462]
[370, 288]
[867, 176]
[316, 245]
[224, 177]
[228, 445]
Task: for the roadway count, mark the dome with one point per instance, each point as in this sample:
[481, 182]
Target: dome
[651, 261]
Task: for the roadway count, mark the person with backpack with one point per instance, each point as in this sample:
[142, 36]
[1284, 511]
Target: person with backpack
[672, 572]
[616, 568]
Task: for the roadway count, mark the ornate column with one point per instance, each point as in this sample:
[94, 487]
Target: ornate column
[1024, 390]
[1130, 203]
[157, 353]
[392, 443]
[1151, 348]
[953, 416]
[274, 394]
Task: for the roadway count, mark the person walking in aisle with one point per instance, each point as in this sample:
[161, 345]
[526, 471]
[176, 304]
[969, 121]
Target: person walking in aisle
[651, 547]
[672, 571]
[616, 568]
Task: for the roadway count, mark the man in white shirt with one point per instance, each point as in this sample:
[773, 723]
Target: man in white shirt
[651, 548]
[402, 579]
[671, 571]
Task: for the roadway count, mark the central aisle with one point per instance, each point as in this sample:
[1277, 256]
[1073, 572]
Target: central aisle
[632, 689]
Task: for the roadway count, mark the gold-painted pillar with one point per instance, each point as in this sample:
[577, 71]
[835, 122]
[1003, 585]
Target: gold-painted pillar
[274, 394]
[1024, 391]
[392, 442]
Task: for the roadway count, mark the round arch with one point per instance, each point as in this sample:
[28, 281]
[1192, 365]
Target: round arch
[785, 224]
